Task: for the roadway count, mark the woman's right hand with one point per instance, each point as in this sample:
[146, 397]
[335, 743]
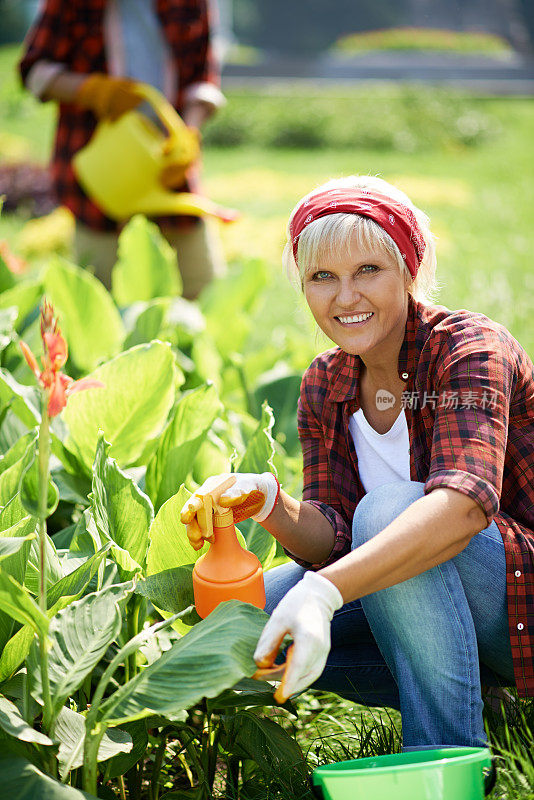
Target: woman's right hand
[249, 495]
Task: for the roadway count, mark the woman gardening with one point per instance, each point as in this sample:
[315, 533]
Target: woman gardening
[412, 575]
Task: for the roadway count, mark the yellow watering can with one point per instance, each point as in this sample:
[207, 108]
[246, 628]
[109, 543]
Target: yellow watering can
[120, 167]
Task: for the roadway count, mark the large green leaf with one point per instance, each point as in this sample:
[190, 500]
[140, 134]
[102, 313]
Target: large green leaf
[178, 446]
[16, 601]
[122, 512]
[69, 731]
[18, 538]
[13, 723]
[21, 780]
[24, 400]
[213, 656]
[30, 488]
[138, 393]
[79, 636]
[121, 763]
[11, 545]
[147, 265]
[54, 570]
[259, 458]
[65, 591]
[87, 315]
[169, 546]
[171, 591]
[13, 465]
[24, 296]
[274, 750]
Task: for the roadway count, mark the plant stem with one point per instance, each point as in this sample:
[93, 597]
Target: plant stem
[156, 767]
[122, 787]
[95, 729]
[133, 629]
[44, 472]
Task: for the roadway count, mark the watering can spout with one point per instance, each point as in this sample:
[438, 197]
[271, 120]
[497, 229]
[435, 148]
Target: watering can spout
[166, 202]
[121, 166]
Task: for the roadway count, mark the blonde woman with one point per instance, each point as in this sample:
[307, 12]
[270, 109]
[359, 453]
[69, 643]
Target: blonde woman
[413, 547]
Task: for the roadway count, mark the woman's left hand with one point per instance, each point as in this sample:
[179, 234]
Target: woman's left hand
[304, 613]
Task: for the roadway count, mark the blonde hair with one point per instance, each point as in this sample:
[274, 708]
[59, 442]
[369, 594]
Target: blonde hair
[332, 236]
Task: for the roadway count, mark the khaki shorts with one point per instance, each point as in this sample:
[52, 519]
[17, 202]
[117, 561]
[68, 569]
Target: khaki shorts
[199, 252]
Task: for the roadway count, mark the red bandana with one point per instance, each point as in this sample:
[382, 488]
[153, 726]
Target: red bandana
[395, 218]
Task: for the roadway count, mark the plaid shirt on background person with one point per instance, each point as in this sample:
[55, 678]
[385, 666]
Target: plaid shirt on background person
[71, 32]
[483, 447]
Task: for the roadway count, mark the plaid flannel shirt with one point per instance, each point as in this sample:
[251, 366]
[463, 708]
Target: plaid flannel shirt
[469, 404]
[71, 32]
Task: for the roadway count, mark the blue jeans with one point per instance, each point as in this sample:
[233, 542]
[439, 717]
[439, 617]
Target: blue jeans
[425, 645]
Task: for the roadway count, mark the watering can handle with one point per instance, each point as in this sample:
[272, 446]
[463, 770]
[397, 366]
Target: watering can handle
[168, 115]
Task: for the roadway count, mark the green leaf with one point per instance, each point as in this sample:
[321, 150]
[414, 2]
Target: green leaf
[274, 750]
[179, 444]
[79, 636]
[120, 764]
[171, 591]
[94, 335]
[24, 296]
[169, 546]
[54, 570]
[65, 591]
[213, 656]
[14, 464]
[17, 538]
[30, 488]
[260, 449]
[122, 512]
[69, 732]
[147, 265]
[138, 393]
[25, 401]
[8, 317]
[9, 546]
[21, 780]
[76, 581]
[16, 601]
[146, 321]
[13, 723]
[259, 458]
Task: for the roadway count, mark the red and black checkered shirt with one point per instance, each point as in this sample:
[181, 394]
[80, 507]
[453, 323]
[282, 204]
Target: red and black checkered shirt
[71, 32]
[469, 404]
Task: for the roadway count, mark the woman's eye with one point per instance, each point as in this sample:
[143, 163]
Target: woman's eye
[370, 268]
[321, 275]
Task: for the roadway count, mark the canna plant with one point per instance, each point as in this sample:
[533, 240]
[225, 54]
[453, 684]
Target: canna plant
[134, 692]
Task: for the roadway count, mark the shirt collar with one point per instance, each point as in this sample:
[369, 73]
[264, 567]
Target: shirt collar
[343, 383]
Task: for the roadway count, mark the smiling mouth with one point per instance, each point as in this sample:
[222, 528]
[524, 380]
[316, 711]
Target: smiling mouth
[354, 319]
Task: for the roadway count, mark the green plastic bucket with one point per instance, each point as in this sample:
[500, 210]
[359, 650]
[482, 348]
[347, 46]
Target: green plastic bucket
[449, 773]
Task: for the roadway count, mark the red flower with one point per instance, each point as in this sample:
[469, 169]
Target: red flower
[57, 385]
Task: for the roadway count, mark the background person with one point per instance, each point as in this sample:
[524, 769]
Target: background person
[86, 55]
[415, 532]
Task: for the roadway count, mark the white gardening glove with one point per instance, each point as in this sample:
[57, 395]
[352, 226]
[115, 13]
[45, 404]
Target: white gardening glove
[251, 495]
[304, 613]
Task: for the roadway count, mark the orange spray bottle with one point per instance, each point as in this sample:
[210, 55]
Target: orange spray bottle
[226, 571]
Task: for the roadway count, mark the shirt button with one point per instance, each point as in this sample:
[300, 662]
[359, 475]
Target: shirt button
[405, 376]
[517, 573]
[520, 626]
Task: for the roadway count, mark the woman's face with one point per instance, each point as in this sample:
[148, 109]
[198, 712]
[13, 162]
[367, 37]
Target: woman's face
[360, 302]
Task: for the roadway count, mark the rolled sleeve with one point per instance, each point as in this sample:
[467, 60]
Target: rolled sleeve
[318, 489]
[49, 40]
[474, 382]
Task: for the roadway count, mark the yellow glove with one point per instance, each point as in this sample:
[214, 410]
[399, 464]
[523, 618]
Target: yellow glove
[247, 494]
[108, 97]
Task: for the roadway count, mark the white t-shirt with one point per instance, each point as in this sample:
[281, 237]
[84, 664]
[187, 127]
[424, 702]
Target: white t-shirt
[382, 457]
